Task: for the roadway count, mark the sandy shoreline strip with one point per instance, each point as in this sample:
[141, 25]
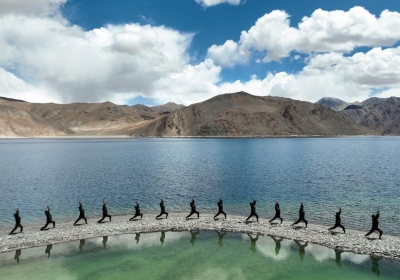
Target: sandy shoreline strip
[353, 241]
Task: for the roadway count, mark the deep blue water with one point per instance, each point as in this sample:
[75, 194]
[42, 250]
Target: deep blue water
[359, 174]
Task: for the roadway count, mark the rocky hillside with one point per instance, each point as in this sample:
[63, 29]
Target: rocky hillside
[333, 103]
[242, 114]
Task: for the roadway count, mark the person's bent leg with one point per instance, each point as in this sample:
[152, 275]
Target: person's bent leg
[281, 219]
[54, 224]
[22, 228]
[273, 219]
[256, 216]
[224, 214]
[344, 230]
[16, 226]
[85, 220]
[251, 215]
[77, 221]
[101, 219]
[380, 233]
[305, 221]
[295, 223]
[42, 228]
[369, 232]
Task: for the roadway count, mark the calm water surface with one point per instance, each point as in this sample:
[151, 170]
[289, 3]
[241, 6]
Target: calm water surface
[191, 255]
[359, 174]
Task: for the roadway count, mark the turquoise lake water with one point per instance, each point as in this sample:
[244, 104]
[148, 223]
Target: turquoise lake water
[359, 174]
[191, 255]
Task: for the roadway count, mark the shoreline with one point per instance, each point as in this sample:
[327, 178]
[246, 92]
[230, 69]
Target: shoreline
[353, 241]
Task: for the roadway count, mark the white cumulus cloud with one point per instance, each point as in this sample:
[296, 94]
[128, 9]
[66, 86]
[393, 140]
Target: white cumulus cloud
[209, 3]
[30, 7]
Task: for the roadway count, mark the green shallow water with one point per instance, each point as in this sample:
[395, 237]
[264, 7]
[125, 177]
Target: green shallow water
[196, 255]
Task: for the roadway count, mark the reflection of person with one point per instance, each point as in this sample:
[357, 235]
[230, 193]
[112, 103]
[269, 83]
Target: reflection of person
[338, 258]
[49, 219]
[137, 237]
[194, 233]
[105, 239]
[193, 209]
[81, 244]
[137, 212]
[302, 250]
[277, 213]
[301, 216]
[105, 212]
[162, 206]
[17, 221]
[17, 254]
[81, 214]
[253, 241]
[252, 210]
[48, 249]
[220, 208]
[220, 238]
[375, 224]
[338, 222]
[375, 265]
[277, 244]
[162, 237]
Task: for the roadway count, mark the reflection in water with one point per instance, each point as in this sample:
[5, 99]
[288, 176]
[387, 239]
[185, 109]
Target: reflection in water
[302, 250]
[253, 241]
[338, 257]
[81, 244]
[17, 254]
[277, 244]
[137, 237]
[220, 238]
[162, 237]
[48, 249]
[375, 264]
[194, 233]
[105, 239]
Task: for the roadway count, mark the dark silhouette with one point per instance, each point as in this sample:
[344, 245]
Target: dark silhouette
[338, 222]
[375, 224]
[277, 213]
[81, 214]
[17, 254]
[105, 212]
[49, 219]
[302, 250]
[137, 237]
[220, 208]
[17, 222]
[137, 212]
[105, 239]
[81, 244]
[193, 209]
[301, 216]
[277, 244]
[194, 234]
[221, 238]
[252, 210]
[162, 237]
[162, 206]
[48, 249]
[375, 264]
[338, 258]
[253, 241]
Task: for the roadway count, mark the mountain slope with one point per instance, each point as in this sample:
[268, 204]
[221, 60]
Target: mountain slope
[333, 103]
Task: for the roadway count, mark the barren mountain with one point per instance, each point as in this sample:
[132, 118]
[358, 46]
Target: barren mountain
[333, 103]
[242, 114]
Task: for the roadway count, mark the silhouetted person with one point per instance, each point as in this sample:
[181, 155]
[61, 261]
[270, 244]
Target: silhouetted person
[301, 216]
[277, 213]
[137, 212]
[252, 210]
[253, 246]
[338, 257]
[193, 209]
[162, 237]
[137, 237]
[105, 212]
[194, 234]
[105, 239]
[48, 249]
[221, 238]
[81, 214]
[302, 250]
[375, 264]
[81, 244]
[338, 222]
[17, 254]
[220, 208]
[17, 222]
[162, 207]
[375, 224]
[277, 244]
[49, 219]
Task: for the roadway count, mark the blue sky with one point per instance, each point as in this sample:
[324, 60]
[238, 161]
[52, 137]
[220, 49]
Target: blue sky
[186, 51]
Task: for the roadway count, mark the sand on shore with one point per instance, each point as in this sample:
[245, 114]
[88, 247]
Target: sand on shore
[352, 241]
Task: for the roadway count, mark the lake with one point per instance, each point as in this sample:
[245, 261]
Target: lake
[359, 174]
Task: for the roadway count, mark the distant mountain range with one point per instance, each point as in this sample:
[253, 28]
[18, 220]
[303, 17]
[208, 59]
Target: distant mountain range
[234, 114]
